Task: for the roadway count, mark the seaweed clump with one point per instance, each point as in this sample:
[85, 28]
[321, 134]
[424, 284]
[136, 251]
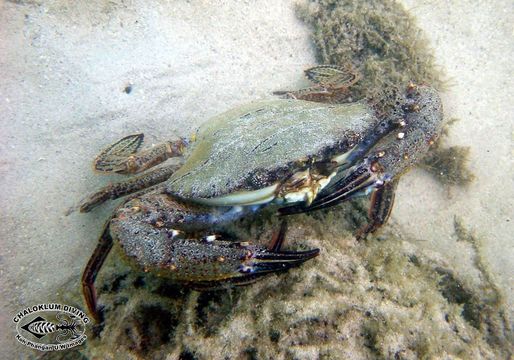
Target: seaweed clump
[449, 165]
[491, 317]
[378, 38]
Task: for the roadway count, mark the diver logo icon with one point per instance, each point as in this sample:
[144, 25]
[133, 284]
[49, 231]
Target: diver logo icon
[49, 327]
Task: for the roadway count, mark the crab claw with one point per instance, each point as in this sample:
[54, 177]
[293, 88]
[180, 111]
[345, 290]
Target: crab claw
[367, 177]
[262, 262]
[208, 262]
[259, 261]
[359, 180]
[202, 264]
[362, 179]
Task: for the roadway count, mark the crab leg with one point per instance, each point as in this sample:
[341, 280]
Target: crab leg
[91, 271]
[277, 240]
[123, 157]
[329, 80]
[382, 200]
[333, 76]
[117, 190]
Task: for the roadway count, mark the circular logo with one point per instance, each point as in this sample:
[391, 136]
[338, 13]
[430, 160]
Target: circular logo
[51, 327]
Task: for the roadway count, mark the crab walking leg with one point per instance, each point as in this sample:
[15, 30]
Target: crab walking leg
[314, 93]
[277, 240]
[382, 201]
[329, 80]
[91, 271]
[333, 76]
[123, 156]
[116, 190]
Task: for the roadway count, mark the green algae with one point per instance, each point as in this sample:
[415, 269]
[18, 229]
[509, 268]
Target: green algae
[377, 38]
[493, 318]
[449, 165]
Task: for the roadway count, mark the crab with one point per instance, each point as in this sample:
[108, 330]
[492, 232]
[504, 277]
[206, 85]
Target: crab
[292, 154]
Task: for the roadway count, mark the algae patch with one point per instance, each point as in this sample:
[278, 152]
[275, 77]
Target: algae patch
[449, 165]
[378, 38]
[492, 315]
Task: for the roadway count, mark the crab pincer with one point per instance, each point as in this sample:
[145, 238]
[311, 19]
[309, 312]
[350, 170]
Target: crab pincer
[244, 263]
[208, 263]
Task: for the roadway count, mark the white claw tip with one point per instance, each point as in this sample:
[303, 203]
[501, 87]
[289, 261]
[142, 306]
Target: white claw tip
[210, 238]
[245, 269]
[401, 135]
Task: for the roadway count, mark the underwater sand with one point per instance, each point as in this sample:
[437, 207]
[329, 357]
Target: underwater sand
[473, 43]
[64, 71]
